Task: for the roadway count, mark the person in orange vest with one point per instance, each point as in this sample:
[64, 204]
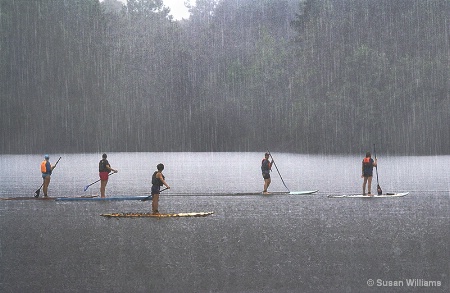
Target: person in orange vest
[104, 168]
[46, 170]
[367, 173]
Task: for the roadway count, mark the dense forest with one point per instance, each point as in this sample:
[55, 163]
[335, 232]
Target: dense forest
[305, 76]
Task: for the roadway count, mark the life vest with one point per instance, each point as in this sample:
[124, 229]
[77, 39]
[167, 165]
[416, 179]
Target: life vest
[366, 161]
[155, 180]
[44, 166]
[265, 165]
[102, 165]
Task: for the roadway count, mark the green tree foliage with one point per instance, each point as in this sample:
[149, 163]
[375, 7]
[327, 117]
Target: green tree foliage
[310, 76]
[53, 71]
[366, 63]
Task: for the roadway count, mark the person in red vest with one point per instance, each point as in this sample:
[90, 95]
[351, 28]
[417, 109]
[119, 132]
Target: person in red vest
[367, 173]
[104, 168]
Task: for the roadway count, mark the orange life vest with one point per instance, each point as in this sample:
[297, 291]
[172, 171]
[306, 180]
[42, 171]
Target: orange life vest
[44, 166]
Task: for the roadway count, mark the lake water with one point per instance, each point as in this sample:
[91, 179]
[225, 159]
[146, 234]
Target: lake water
[276, 243]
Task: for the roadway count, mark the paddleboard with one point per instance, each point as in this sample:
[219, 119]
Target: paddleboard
[306, 192]
[366, 196]
[150, 215]
[121, 198]
[303, 192]
[44, 198]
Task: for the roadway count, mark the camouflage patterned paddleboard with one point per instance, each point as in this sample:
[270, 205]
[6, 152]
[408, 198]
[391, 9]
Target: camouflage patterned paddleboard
[150, 215]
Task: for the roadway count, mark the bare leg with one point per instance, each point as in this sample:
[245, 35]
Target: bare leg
[266, 185]
[45, 186]
[103, 187]
[369, 187]
[364, 185]
[155, 203]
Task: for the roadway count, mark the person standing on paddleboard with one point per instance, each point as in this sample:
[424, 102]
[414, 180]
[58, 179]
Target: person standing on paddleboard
[104, 168]
[46, 170]
[158, 180]
[266, 167]
[367, 173]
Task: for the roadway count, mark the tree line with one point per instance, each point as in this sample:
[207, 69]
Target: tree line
[306, 76]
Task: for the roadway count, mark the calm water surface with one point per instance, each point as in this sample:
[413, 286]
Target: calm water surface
[251, 244]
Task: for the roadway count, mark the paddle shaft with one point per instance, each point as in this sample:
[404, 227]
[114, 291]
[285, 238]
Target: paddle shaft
[375, 154]
[150, 196]
[379, 191]
[87, 186]
[278, 170]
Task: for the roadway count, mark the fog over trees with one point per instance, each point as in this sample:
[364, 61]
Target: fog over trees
[306, 76]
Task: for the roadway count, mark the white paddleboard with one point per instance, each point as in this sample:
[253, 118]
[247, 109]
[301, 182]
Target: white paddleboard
[400, 194]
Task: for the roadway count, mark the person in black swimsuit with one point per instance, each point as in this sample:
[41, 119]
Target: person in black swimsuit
[266, 167]
[158, 180]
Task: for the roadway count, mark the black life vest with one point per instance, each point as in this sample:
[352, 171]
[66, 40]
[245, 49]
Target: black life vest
[102, 165]
[265, 166]
[156, 181]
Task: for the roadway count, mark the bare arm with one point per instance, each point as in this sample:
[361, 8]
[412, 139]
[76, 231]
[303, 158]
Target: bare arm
[160, 177]
[111, 169]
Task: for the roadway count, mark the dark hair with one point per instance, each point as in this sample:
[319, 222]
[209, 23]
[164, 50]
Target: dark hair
[160, 167]
[104, 156]
[368, 154]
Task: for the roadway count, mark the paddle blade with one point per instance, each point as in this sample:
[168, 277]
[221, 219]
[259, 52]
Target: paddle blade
[36, 194]
[86, 187]
[379, 191]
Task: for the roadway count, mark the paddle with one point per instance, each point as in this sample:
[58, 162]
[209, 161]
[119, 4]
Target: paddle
[37, 192]
[379, 191]
[87, 186]
[278, 171]
[150, 196]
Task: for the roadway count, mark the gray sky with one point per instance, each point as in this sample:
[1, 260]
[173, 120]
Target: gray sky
[177, 8]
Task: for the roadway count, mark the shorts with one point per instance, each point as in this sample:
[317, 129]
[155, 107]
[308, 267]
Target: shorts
[368, 174]
[266, 175]
[103, 176]
[45, 175]
[155, 189]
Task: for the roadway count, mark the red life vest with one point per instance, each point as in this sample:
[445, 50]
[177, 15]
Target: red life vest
[366, 161]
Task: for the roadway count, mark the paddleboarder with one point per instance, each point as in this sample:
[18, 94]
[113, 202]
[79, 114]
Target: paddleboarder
[46, 170]
[104, 168]
[266, 167]
[367, 173]
[158, 180]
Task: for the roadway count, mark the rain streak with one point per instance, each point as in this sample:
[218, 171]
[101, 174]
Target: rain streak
[314, 76]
